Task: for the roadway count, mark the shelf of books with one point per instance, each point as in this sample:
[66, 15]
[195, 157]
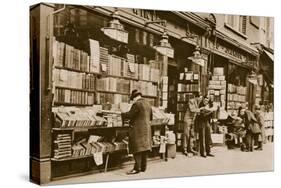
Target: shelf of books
[236, 96]
[188, 85]
[78, 75]
[268, 126]
[90, 90]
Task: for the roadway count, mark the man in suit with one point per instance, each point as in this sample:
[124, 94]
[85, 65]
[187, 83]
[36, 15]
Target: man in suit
[140, 116]
[190, 124]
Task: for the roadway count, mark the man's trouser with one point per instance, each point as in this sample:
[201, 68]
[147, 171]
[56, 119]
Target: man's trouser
[140, 160]
[205, 139]
[187, 140]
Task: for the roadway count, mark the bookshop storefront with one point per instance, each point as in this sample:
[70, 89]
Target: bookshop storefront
[94, 57]
[232, 82]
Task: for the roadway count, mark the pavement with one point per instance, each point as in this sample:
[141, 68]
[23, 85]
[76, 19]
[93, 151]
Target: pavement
[225, 162]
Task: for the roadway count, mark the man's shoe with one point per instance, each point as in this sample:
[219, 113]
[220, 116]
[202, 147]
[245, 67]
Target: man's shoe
[203, 156]
[258, 148]
[133, 172]
[193, 152]
[185, 153]
[210, 155]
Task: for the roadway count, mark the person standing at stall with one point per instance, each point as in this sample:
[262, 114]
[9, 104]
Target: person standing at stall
[251, 127]
[140, 116]
[259, 137]
[190, 123]
[204, 127]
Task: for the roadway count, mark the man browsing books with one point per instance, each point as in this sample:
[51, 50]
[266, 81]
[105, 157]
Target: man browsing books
[140, 116]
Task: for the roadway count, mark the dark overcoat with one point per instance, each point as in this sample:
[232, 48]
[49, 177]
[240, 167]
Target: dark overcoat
[140, 116]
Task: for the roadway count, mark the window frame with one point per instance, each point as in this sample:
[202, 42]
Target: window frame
[236, 25]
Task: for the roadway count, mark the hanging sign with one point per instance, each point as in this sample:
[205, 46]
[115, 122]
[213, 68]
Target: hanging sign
[116, 34]
[165, 51]
[198, 61]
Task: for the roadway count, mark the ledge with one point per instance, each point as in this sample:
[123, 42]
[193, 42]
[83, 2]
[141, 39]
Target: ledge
[235, 31]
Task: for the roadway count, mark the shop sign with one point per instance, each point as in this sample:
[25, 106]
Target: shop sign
[147, 14]
[231, 52]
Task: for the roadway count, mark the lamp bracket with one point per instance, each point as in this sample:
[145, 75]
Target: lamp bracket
[188, 34]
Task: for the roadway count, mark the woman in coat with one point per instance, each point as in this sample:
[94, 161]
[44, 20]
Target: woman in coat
[140, 116]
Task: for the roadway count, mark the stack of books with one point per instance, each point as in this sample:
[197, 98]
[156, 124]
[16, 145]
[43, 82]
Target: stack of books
[74, 59]
[109, 98]
[154, 75]
[81, 148]
[58, 52]
[236, 97]
[113, 85]
[67, 56]
[115, 65]
[144, 72]
[107, 147]
[70, 79]
[217, 87]
[84, 62]
[78, 150]
[62, 146]
[77, 117]
[188, 87]
[185, 97]
[147, 88]
[113, 119]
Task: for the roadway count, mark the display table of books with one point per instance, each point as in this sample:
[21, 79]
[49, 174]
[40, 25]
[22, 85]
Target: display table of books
[90, 132]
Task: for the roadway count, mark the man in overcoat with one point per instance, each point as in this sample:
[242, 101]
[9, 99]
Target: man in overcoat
[140, 116]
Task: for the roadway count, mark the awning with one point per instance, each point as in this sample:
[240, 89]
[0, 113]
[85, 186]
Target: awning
[267, 64]
[270, 55]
